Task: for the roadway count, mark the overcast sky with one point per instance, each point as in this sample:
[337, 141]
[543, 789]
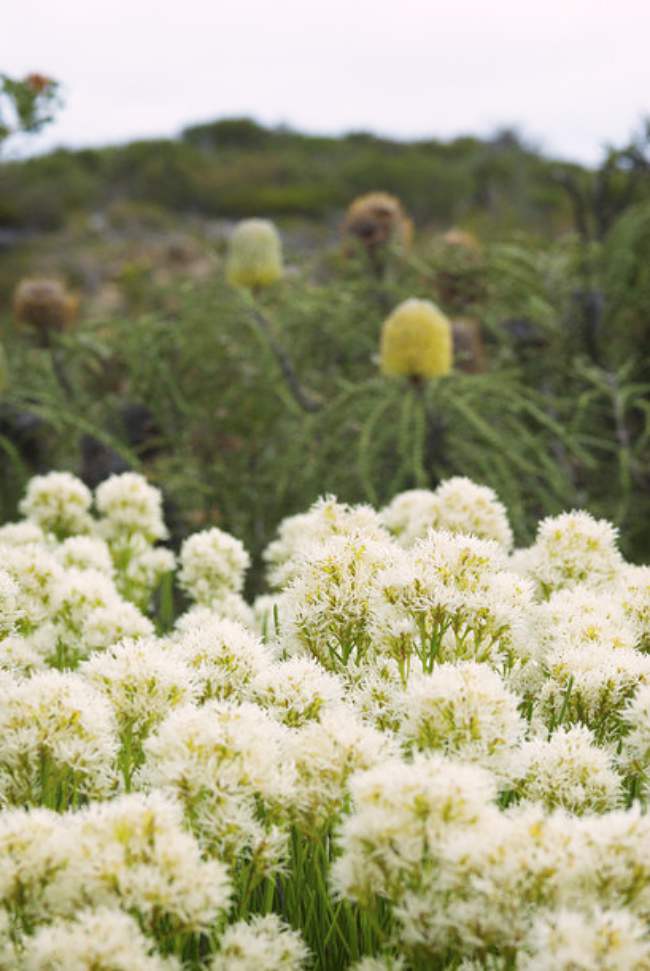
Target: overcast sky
[573, 74]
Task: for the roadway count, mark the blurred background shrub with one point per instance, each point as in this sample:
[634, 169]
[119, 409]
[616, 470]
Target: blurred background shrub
[244, 407]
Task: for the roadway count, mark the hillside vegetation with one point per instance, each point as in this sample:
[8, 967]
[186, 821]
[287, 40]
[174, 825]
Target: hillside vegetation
[163, 366]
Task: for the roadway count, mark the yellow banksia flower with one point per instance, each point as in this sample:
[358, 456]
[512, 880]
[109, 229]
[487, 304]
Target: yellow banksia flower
[255, 254]
[416, 341]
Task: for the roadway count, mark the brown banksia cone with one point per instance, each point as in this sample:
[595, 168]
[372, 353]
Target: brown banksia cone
[375, 221]
[45, 305]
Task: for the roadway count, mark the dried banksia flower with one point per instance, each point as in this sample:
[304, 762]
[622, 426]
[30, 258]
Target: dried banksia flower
[255, 254]
[376, 219]
[44, 304]
[416, 341]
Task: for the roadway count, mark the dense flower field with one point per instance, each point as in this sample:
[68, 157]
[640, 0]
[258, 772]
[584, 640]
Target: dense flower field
[419, 749]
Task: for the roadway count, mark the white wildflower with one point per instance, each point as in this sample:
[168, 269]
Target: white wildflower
[296, 691]
[128, 504]
[465, 507]
[224, 762]
[262, 942]
[327, 607]
[375, 690]
[410, 515]
[402, 815]
[567, 770]
[229, 606]
[55, 729]
[326, 754]
[613, 864]
[37, 574]
[9, 603]
[141, 568]
[580, 616]
[37, 847]
[114, 622]
[603, 940]
[635, 753]
[212, 563]
[92, 615]
[59, 503]
[134, 852]
[103, 939]
[572, 549]
[327, 518]
[458, 505]
[449, 598]
[142, 681]
[465, 710]
[85, 553]
[590, 685]
[490, 879]
[634, 596]
[23, 533]
[26, 654]
[223, 656]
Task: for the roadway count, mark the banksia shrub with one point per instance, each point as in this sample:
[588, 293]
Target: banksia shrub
[255, 254]
[44, 305]
[416, 341]
[376, 219]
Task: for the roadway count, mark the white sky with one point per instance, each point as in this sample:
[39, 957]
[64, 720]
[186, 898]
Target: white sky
[574, 74]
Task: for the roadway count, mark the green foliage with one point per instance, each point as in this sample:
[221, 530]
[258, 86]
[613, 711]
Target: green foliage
[26, 105]
[255, 408]
[236, 167]
[626, 279]
[229, 439]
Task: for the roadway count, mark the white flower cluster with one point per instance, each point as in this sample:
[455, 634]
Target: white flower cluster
[212, 564]
[436, 748]
[326, 519]
[59, 503]
[458, 505]
[72, 582]
[571, 549]
[129, 506]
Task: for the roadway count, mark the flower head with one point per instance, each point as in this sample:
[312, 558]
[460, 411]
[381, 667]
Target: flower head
[213, 563]
[44, 305]
[103, 939]
[377, 219]
[416, 341]
[59, 503]
[128, 505]
[255, 254]
[262, 942]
